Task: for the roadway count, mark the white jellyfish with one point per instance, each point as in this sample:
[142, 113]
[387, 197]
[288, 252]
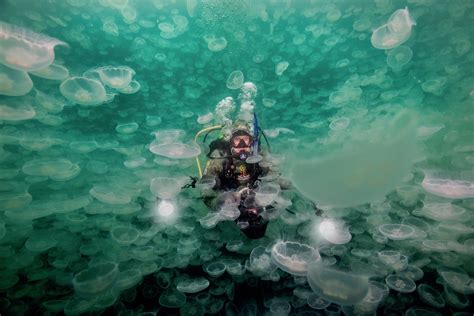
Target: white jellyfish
[52, 72]
[14, 82]
[26, 50]
[294, 257]
[165, 188]
[83, 91]
[395, 32]
[334, 231]
[175, 150]
[235, 80]
[115, 77]
[399, 56]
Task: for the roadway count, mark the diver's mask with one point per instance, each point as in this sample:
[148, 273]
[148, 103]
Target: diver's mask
[240, 146]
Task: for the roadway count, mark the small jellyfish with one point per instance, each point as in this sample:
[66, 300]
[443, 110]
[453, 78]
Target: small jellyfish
[339, 124]
[216, 44]
[430, 296]
[281, 67]
[172, 299]
[316, 302]
[294, 257]
[168, 136]
[205, 118]
[95, 279]
[399, 56]
[280, 308]
[14, 82]
[124, 235]
[266, 193]
[337, 286]
[132, 88]
[165, 188]
[260, 261]
[83, 91]
[192, 285]
[284, 88]
[26, 50]
[175, 150]
[269, 103]
[396, 231]
[235, 80]
[115, 77]
[215, 269]
[400, 283]
[52, 72]
[126, 128]
[152, 120]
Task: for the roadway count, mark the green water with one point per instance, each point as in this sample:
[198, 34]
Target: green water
[368, 109]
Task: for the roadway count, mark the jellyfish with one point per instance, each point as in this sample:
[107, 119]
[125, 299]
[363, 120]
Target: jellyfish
[52, 72]
[127, 128]
[124, 235]
[396, 231]
[168, 136]
[83, 146]
[128, 278]
[281, 67]
[175, 150]
[400, 283]
[205, 118]
[260, 261]
[337, 286]
[334, 232]
[109, 195]
[83, 91]
[339, 124]
[95, 279]
[172, 299]
[396, 32]
[316, 302]
[451, 186]
[294, 257]
[284, 88]
[165, 188]
[17, 112]
[47, 167]
[215, 269]
[266, 193]
[280, 308]
[441, 212]
[25, 50]
[216, 44]
[40, 242]
[14, 82]
[269, 103]
[430, 296]
[132, 88]
[399, 56]
[115, 77]
[192, 285]
[400, 21]
[235, 80]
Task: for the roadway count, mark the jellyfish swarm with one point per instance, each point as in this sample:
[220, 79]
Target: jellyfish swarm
[395, 32]
[293, 257]
[25, 50]
[338, 287]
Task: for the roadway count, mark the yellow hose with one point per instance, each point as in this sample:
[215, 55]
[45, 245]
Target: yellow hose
[195, 141]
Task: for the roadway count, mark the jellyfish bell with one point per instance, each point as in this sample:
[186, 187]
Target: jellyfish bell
[334, 231]
[294, 257]
[165, 211]
[165, 188]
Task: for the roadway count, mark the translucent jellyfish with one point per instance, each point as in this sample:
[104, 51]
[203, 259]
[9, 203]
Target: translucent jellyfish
[337, 286]
[83, 91]
[316, 302]
[17, 112]
[400, 283]
[115, 77]
[26, 50]
[132, 88]
[216, 44]
[396, 231]
[266, 193]
[280, 308]
[109, 195]
[235, 80]
[95, 279]
[451, 186]
[339, 124]
[175, 150]
[14, 82]
[395, 32]
[128, 278]
[234, 245]
[399, 56]
[168, 136]
[152, 120]
[47, 167]
[361, 25]
[165, 188]
[124, 235]
[334, 231]
[205, 118]
[192, 285]
[40, 242]
[215, 269]
[294, 257]
[281, 67]
[430, 296]
[284, 88]
[260, 261]
[127, 128]
[172, 299]
[52, 72]
[457, 279]
[83, 146]
[441, 212]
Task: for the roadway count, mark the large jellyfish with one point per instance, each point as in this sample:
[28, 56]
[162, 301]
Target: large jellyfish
[95, 279]
[83, 91]
[395, 32]
[337, 286]
[26, 50]
[17, 112]
[451, 186]
[14, 82]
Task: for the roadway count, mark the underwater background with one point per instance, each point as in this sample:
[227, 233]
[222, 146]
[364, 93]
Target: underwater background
[367, 107]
